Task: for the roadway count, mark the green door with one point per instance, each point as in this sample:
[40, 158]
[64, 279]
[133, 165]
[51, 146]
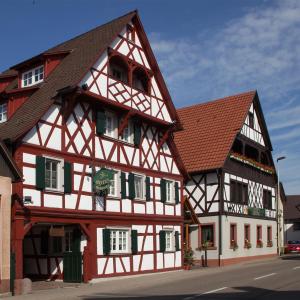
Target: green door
[12, 271]
[72, 260]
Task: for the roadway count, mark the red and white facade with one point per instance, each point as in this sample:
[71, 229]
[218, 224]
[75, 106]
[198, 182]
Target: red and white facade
[67, 132]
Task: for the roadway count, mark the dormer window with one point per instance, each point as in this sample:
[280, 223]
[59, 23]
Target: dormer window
[140, 80]
[3, 112]
[33, 76]
[118, 69]
[251, 120]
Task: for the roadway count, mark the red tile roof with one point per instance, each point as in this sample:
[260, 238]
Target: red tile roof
[209, 131]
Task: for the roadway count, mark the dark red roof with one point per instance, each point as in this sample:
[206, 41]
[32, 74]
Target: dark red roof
[292, 208]
[209, 130]
[84, 50]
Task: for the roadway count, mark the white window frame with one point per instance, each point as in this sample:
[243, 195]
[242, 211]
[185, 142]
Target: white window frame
[60, 174]
[32, 78]
[129, 127]
[127, 249]
[170, 235]
[3, 112]
[143, 177]
[114, 133]
[170, 194]
[116, 185]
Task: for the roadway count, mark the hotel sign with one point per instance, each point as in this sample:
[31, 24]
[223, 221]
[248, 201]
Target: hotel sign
[102, 181]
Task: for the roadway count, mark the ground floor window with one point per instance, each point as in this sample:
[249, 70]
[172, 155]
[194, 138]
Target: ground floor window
[119, 241]
[233, 236]
[247, 236]
[259, 242]
[169, 240]
[207, 235]
[269, 236]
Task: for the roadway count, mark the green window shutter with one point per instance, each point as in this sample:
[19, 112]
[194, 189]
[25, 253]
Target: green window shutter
[137, 134]
[100, 122]
[134, 241]
[123, 186]
[40, 173]
[76, 240]
[131, 186]
[67, 177]
[163, 190]
[147, 181]
[106, 241]
[162, 241]
[176, 193]
[177, 241]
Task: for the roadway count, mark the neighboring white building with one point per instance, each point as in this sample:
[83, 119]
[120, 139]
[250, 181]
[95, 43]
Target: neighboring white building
[292, 218]
[226, 150]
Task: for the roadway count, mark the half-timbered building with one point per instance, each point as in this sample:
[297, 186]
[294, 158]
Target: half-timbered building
[226, 151]
[90, 124]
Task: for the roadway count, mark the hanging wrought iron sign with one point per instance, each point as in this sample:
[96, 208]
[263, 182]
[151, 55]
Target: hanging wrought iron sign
[102, 181]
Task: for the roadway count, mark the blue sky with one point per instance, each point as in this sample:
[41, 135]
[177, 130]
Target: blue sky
[206, 49]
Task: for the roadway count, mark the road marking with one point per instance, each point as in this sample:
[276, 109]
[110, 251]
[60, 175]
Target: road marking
[296, 268]
[217, 290]
[206, 293]
[268, 275]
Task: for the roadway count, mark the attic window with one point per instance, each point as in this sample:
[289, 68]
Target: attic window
[140, 80]
[118, 69]
[3, 112]
[251, 120]
[130, 33]
[33, 76]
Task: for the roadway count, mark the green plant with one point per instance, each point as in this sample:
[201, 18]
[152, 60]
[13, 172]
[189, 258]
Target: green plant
[188, 257]
[234, 246]
[247, 244]
[259, 244]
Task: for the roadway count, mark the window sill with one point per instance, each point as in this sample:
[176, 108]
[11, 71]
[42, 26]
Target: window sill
[170, 203]
[208, 248]
[119, 254]
[115, 139]
[60, 192]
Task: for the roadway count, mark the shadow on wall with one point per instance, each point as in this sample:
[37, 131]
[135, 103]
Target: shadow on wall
[233, 293]
[292, 234]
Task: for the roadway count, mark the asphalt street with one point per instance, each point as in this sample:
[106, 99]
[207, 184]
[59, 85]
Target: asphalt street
[270, 279]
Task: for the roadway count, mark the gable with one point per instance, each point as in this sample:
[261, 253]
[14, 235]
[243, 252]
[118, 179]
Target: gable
[254, 132]
[99, 81]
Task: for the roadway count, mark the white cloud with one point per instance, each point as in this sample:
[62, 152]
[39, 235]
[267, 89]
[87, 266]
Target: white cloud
[260, 50]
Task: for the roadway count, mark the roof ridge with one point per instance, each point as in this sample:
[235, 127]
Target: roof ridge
[215, 100]
[91, 30]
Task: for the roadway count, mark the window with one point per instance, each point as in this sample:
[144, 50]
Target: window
[127, 134]
[259, 242]
[52, 174]
[68, 241]
[118, 69]
[170, 191]
[251, 120]
[169, 240]
[119, 241]
[247, 235]
[110, 125]
[3, 112]
[269, 234]
[233, 236]
[114, 184]
[207, 235]
[33, 76]
[139, 186]
[251, 152]
[267, 199]
[140, 80]
[238, 192]
[237, 147]
[130, 33]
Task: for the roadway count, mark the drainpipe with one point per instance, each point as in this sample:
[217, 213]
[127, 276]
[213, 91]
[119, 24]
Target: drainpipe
[221, 186]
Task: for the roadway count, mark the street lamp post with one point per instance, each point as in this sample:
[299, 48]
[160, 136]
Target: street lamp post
[277, 203]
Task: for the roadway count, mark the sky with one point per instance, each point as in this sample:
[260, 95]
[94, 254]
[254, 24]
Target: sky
[206, 50]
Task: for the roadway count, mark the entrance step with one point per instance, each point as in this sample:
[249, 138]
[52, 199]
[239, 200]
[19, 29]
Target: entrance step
[46, 285]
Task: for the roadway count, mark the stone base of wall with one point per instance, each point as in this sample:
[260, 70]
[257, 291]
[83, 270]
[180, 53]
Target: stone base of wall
[23, 286]
[4, 286]
[232, 261]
